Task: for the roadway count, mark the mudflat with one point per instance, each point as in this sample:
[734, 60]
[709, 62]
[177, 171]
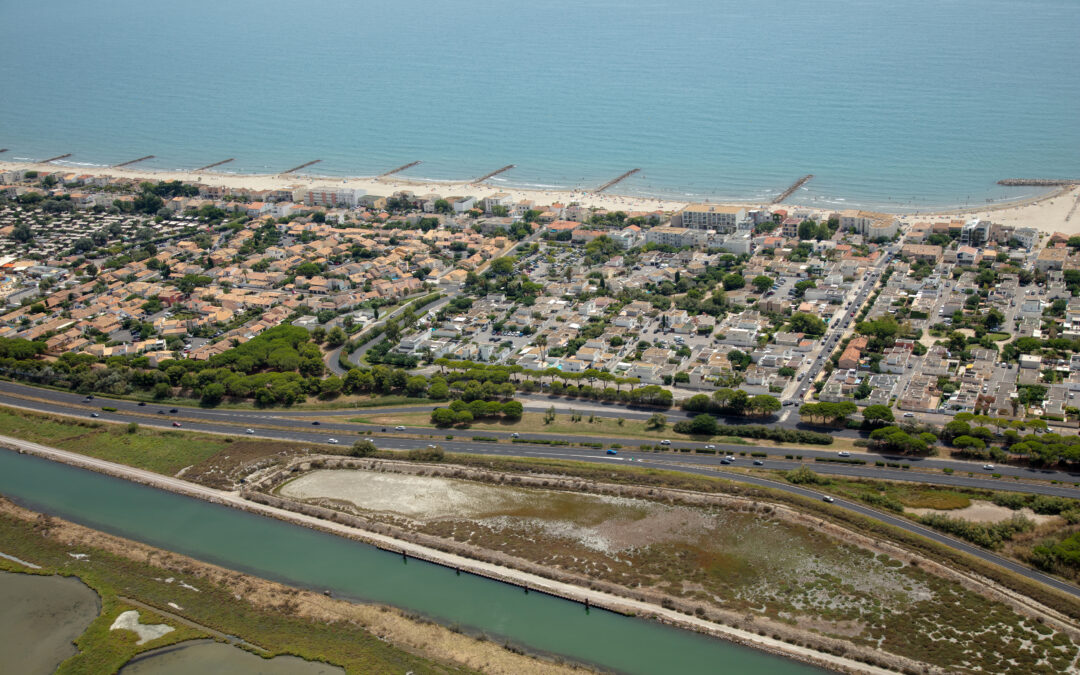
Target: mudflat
[40, 617]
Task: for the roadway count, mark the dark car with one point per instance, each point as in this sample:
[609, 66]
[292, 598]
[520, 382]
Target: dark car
[316, 423]
[174, 410]
[142, 404]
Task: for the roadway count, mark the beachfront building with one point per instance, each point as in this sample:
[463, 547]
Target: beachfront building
[723, 219]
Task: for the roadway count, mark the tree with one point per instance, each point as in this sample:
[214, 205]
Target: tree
[733, 281]
[212, 394]
[416, 385]
[656, 421]
[513, 410]
[331, 386]
[363, 448]
[762, 283]
[442, 206]
[703, 425]
[763, 404]
[803, 322]
[878, 414]
[503, 267]
[438, 390]
[808, 229]
[336, 337]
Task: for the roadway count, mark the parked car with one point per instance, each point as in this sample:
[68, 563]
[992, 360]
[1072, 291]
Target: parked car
[909, 414]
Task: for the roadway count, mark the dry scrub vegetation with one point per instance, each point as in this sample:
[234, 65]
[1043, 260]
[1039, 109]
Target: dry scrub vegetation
[768, 567]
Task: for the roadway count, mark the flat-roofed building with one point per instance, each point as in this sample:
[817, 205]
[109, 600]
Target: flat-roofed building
[1051, 259]
[709, 217]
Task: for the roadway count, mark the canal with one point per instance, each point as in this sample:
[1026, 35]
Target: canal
[303, 557]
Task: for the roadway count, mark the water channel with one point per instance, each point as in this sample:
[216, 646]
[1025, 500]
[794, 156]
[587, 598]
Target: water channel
[304, 557]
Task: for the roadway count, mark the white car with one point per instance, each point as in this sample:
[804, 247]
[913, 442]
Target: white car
[249, 431]
[828, 499]
[988, 467]
[710, 447]
[665, 442]
[399, 428]
[332, 441]
[909, 414]
[844, 453]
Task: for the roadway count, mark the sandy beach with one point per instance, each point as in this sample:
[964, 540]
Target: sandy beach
[1056, 211]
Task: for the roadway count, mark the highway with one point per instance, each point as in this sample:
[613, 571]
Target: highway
[296, 425]
[272, 425]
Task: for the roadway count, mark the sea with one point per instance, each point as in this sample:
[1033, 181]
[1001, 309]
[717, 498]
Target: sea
[899, 105]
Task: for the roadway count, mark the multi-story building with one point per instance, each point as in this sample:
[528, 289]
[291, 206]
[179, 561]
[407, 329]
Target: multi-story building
[709, 217]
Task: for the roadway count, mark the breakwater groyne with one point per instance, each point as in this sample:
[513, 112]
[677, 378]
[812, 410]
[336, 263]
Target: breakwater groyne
[211, 166]
[133, 161]
[53, 159]
[391, 172]
[1038, 182]
[613, 181]
[794, 186]
[494, 173]
[304, 165]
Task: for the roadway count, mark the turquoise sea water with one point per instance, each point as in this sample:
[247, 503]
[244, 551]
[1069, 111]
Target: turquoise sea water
[902, 105]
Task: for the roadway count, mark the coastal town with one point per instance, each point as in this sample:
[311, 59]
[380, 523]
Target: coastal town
[929, 317]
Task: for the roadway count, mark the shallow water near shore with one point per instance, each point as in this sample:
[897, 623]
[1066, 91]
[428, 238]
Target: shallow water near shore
[891, 105]
[311, 559]
[213, 658]
[40, 616]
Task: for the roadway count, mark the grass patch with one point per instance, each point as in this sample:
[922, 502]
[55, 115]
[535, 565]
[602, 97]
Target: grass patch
[158, 450]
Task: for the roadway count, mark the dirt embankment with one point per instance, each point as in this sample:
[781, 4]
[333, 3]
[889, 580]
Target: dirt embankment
[409, 633]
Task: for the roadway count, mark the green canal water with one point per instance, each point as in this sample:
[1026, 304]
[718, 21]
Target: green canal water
[303, 557]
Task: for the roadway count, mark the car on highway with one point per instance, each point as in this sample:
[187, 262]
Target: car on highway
[710, 447]
[399, 428]
[612, 451]
[725, 461]
[758, 462]
[94, 415]
[988, 467]
[828, 499]
[332, 441]
[176, 424]
[844, 453]
[174, 410]
[665, 442]
[514, 435]
[249, 431]
[142, 404]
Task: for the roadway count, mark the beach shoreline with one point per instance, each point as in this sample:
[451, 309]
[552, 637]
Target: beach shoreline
[1054, 210]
